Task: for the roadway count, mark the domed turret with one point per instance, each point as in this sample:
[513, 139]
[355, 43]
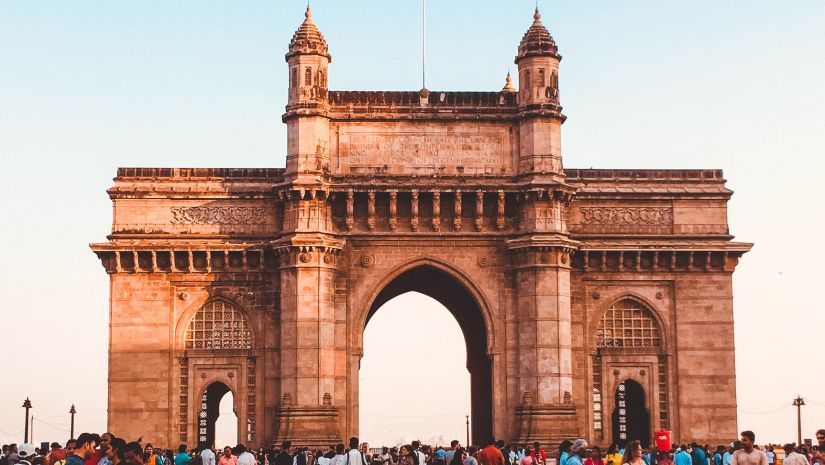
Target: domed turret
[537, 41]
[308, 40]
[308, 59]
[508, 85]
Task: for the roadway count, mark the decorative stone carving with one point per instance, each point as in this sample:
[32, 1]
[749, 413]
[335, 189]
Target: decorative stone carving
[305, 257]
[657, 216]
[367, 261]
[218, 215]
[483, 262]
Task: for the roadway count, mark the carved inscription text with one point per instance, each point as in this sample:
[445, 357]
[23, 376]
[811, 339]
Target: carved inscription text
[469, 150]
[218, 215]
[657, 216]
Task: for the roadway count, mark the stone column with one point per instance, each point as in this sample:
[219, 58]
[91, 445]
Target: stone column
[308, 415]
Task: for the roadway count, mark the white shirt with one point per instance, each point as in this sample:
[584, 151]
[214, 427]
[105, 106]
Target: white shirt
[208, 457]
[795, 458]
[353, 457]
[246, 459]
[422, 459]
[323, 460]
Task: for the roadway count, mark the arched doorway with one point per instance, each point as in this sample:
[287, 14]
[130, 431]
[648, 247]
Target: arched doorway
[210, 412]
[442, 286]
[631, 419]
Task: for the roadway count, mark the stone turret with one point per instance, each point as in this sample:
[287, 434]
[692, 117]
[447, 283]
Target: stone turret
[306, 111]
[538, 95]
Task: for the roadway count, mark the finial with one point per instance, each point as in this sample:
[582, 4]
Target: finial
[537, 15]
[508, 85]
[308, 14]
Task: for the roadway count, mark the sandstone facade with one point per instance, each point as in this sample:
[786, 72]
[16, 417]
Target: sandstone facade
[261, 281]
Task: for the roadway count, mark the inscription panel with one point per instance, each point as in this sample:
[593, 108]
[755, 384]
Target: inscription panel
[625, 220]
[425, 152]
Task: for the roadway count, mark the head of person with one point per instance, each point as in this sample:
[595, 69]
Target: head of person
[132, 450]
[115, 450]
[71, 445]
[579, 447]
[105, 440]
[612, 448]
[501, 444]
[595, 452]
[747, 438]
[415, 445]
[353, 442]
[453, 444]
[182, 448]
[148, 450]
[405, 450]
[227, 451]
[632, 451]
[365, 447]
[339, 449]
[85, 445]
[820, 438]
[564, 446]
[536, 446]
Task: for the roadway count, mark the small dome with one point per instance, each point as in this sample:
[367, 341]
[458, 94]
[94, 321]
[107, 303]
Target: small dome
[537, 41]
[308, 40]
[508, 85]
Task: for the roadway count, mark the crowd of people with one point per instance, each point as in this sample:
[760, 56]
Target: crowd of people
[107, 449]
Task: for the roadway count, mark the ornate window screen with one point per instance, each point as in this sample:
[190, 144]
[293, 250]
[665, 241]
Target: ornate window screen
[218, 325]
[628, 323]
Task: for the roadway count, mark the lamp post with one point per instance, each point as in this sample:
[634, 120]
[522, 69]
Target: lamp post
[468, 429]
[798, 403]
[72, 411]
[27, 404]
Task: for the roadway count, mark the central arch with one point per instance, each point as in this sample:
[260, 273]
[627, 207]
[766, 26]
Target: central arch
[456, 293]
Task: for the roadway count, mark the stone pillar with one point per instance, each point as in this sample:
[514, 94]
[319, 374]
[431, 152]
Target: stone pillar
[308, 414]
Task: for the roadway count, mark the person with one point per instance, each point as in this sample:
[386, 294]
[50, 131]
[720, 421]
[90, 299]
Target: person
[578, 451]
[260, 456]
[181, 458]
[207, 456]
[227, 458]
[57, 455]
[748, 455]
[339, 458]
[792, 457]
[470, 456]
[422, 459]
[115, 451]
[448, 455]
[771, 454]
[408, 456]
[386, 458]
[697, 455]
[490, 455]
[541, 456]
[594, 459]
[149, 456]
[85, 446]
[820, 439]
[564, 451]
[633, 453]
[245, 457]
[683, 456]
[613, 456]
[99, 457]
[284, 457]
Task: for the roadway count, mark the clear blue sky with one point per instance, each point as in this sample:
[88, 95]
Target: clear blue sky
[87, 86]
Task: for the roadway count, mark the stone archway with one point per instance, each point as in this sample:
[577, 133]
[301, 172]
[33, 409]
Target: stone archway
[447, 289]
[631, 418]
[209, 412]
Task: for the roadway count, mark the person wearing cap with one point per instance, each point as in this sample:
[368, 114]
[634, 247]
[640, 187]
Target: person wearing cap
[578, 452]
[25, 454]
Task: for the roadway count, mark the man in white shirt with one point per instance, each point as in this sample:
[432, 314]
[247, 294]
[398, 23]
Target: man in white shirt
[244, 456]
[208, 456]
[748, 455]
[792, 457]
[353, 456]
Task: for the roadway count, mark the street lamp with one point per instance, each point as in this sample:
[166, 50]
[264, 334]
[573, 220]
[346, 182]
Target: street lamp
[27, 404]
[468, 429]
[798, 403]
[72, 411]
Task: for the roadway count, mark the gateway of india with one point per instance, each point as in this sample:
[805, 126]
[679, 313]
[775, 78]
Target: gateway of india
[594, 303]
